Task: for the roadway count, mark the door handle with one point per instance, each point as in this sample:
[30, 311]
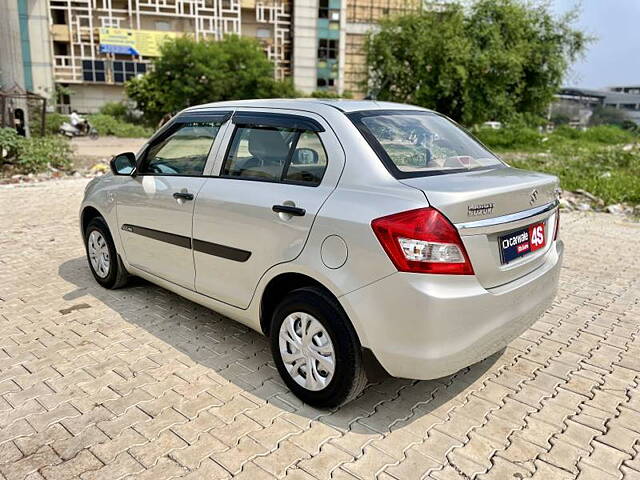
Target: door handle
[295, 211]
[183, 196]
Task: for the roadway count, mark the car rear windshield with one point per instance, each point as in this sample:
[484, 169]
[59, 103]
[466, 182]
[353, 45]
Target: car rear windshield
[416, 143]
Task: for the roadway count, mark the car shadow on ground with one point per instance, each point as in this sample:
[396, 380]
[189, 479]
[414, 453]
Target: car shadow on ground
[242, 356]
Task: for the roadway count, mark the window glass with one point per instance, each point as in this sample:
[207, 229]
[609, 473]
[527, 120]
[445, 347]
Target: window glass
[184, 152]
[263, 33]
[123, 70]
[93, 70]
[323, 9]
[276, 154]
[259, 153]
[423, 142]
[309, 160]
[327, 49]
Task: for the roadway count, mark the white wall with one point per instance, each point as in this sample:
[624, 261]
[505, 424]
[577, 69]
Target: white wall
[11, 71]
[305, 14]
[88, 98]
[40, 43]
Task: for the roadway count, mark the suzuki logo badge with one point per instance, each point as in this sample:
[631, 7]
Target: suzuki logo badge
[533, 197]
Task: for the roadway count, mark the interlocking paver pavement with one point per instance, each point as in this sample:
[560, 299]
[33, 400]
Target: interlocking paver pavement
[139, 382]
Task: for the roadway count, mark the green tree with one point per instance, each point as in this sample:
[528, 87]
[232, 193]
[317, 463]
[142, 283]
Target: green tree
[489, 60]
[190, 72]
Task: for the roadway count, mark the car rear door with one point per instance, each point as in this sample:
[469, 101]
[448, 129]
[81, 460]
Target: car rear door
[277, 169]
[155, 207]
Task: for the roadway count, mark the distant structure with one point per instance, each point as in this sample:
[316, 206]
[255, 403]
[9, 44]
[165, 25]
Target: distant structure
[630, 89]
[578, 104]
[25, 65]
[92, 47]
[361, 19]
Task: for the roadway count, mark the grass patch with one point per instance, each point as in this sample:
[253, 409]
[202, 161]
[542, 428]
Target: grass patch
[33, 155]
[612, 175]
[109, 125]
[603, 160]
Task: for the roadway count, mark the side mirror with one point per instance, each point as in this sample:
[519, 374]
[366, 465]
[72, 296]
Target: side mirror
[123, 164]
[304, 156]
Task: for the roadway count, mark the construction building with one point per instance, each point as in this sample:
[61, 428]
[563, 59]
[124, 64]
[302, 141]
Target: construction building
[362, 18]
[578, 104]
[92, 47]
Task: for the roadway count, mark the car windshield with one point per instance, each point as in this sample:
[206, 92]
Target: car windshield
[422, 143]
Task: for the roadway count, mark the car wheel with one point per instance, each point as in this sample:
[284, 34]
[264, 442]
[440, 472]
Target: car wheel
[104, 261]
[316, 350]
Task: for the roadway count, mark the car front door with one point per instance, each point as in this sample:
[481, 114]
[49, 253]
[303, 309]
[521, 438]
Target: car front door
[155, 207]
[274, 175]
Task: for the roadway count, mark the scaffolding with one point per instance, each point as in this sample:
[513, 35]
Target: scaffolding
[355, 65]
[371, 11]
[76, 23]
[363, 15]
[277, 14]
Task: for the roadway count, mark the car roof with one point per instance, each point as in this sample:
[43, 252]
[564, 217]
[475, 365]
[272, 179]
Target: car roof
[310, 104]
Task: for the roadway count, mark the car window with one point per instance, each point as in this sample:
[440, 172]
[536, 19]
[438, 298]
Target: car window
[259, 153]
[276, 154]
[422, 143]
[309, 160]
[184, 152]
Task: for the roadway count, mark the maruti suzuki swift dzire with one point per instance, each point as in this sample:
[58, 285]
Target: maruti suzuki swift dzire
[334, 227]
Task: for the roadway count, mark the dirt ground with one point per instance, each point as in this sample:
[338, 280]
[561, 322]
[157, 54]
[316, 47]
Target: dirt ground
[87, 152]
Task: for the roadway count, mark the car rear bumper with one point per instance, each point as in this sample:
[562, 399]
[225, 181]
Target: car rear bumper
[427, 326]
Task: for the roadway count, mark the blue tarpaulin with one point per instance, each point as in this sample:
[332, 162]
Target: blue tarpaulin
[122, 49]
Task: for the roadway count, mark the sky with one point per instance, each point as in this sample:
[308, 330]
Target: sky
[614, 57]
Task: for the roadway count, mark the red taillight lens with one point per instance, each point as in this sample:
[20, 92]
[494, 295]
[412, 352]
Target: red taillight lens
[422, 241]
[555, 235]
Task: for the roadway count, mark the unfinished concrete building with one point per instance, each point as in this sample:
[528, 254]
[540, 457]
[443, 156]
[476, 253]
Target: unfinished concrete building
[100, 44]
[92, 47]
[362, 18]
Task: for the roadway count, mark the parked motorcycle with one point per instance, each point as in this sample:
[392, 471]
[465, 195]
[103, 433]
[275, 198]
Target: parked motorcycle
[70, 131]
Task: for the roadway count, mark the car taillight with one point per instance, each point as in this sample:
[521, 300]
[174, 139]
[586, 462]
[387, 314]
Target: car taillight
[557, 231]
[422, 241]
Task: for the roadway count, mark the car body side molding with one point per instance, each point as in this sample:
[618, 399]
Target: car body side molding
[223, 251]
[166, 237]
[209, 248]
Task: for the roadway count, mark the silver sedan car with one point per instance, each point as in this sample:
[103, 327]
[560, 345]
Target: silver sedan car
[334, 227]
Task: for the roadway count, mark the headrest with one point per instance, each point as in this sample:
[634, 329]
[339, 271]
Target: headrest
[267, 144]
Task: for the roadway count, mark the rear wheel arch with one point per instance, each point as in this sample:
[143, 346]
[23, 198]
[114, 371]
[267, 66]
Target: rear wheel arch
[283, 284]
[306, 321]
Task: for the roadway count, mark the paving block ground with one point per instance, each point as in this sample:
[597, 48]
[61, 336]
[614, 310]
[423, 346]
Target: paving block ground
[140, 383]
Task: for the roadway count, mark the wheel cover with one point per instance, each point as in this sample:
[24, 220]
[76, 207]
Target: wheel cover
[307, 351]
[98, 253]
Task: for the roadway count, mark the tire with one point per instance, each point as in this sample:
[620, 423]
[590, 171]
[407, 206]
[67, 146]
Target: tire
[97, 239]
[325, 389]
[93, 134]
